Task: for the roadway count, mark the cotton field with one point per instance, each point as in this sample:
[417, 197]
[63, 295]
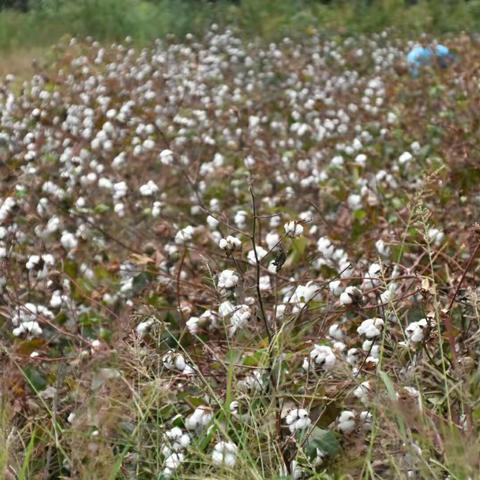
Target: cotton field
[223, 259]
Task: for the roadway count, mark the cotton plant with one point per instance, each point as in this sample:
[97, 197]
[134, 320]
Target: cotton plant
[321, 357]
[175, 361]
[297, 419]
[225, 454]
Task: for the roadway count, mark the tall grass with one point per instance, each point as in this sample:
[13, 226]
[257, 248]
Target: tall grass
[48, 20]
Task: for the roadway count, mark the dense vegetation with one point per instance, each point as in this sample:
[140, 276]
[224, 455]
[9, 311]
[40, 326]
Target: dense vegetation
[221, 258]
[48, 20]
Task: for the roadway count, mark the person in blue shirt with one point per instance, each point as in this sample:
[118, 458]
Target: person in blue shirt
[420, 57]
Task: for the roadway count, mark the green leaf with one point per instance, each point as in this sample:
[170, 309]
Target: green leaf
[325, 440]
[35, 378]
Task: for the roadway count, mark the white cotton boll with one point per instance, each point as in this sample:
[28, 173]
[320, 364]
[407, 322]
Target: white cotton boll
[264, 283]
[321, 357]
[230, 244]
[416, 331]
[225, 453]
[416, 148]
[31, 327]
[260, 253]
[119, 209]
[366, 419]
[346, 422]
[32, 262]
[297, 419]
[184, 235]
[389, 294]
[350, 296]
[304, 294]
[353, 356]
[325, 247]
[156, 209]
[391, 118]
[239, 319]
[228, 279]
[371, 328]
[354, 201]
[148, 145]
[166, 157]
[172, 463]
[373, 277]
[175, 440]
[199, 419]
[225, 309]
[275, 221]
[435, 236]
[119, 161]
[272, 239]
[405, 157]
[362, 392]
[249, 161]
[143, 327]
[336, 287]
[53, 225]
[345, 269]
[175, 361]
[212, 222]
[253, 383]
[382, 249]
[57, 299]
[335, 332]
[68, 241]
[293, 229]
[148, 189]
[240, 219]
[193, 325]
[361, 160]
[337, 161]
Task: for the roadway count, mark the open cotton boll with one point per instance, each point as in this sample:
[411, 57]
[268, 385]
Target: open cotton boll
[366, 419]
[293, 229]
[175, 440]
[143, 327]
[321, 357]
[335, 332]
[240, 316]
[362, 392]
[172, 463]
[184, 235]
[371, 328]
[199, 419]
[68, 241]
[325, 247]
[240, 219]
[261, 252]
[346, 422]
[225, 453]
[297, 419]
[417, 331]
[230, 243]
[336, 287]
[175, 361]
[253, 383]
[228, 279]
[148, 189]
[435, 236]
[373, 277]
[351, 296]
[405, 158]
[166, 157]
[212, 222]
